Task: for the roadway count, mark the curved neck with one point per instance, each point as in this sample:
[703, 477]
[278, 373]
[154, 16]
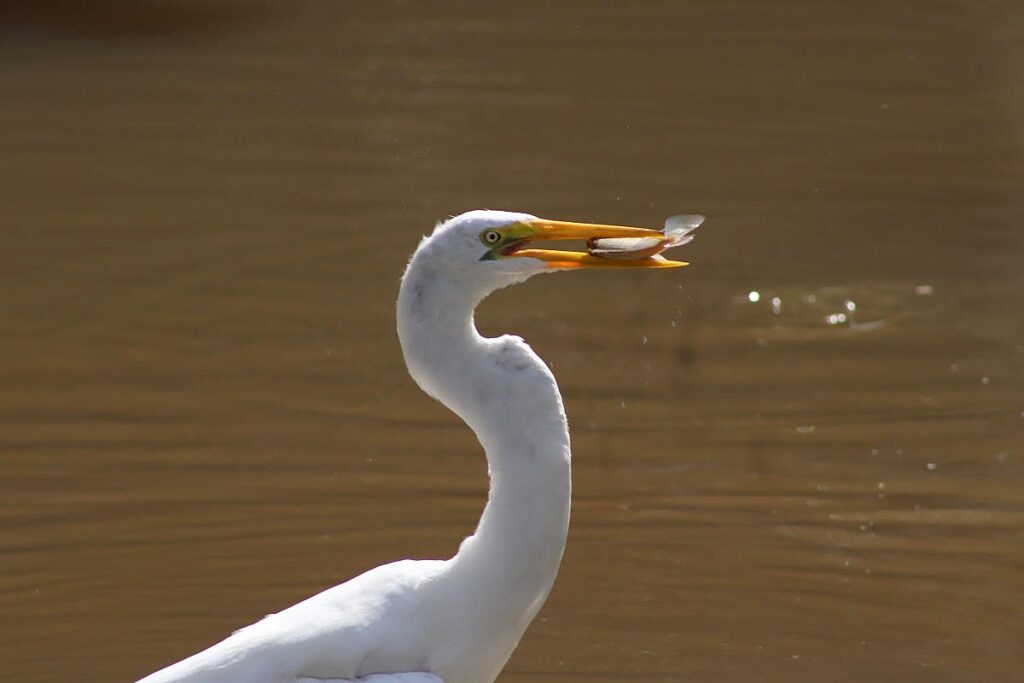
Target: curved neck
[510, 399]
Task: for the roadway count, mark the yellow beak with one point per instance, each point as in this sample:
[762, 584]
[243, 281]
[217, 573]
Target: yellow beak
[543, 229]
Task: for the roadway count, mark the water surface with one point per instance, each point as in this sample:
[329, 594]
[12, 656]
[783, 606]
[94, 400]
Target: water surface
[204, 415]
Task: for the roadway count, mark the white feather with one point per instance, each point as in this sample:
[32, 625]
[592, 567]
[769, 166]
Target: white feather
[454, 620]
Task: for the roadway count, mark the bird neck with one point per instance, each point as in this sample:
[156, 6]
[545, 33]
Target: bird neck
[510, 399]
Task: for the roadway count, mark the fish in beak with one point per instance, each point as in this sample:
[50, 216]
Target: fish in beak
[608, 246]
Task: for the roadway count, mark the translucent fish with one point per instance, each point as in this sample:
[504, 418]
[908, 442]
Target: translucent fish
[627, 248]
[678, 231]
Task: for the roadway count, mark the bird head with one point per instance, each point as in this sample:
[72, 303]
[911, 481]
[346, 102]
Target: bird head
[500, 247]
[471, 255]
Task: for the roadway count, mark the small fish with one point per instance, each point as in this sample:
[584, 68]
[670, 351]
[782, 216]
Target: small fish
[678, 231]
[626, 248]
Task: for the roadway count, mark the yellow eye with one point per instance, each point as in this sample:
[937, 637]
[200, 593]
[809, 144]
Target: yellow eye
[491, 237]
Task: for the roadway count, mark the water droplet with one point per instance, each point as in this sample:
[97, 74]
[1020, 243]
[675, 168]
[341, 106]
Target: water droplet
[836, 318]
[924, 290]
[932, 466]
[986, 381]
[805, 429]
[754, 297]
[851, 306]
[643, 340]
[776, 305]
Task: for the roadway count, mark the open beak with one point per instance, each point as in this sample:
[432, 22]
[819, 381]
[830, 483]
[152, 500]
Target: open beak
[541, 229]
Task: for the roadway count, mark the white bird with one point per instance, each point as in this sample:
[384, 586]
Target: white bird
[455, 620]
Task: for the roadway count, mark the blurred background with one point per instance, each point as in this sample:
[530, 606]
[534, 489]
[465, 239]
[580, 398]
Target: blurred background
[801, 459]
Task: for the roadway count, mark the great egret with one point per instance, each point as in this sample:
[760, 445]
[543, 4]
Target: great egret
[455, 620]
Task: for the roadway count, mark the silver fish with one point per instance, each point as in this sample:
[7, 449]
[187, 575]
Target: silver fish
[678, 231]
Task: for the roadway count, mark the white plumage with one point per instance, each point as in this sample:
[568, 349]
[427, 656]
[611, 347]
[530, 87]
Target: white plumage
[455, 620]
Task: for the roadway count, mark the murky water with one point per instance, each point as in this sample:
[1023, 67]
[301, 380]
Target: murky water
[799, 460]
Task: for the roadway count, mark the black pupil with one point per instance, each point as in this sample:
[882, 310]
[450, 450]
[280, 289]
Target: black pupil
[492, 237]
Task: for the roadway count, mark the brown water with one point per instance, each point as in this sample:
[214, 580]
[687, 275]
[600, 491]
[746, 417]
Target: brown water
[204, 415]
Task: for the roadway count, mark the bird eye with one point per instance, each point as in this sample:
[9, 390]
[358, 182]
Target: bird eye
[492, 237]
